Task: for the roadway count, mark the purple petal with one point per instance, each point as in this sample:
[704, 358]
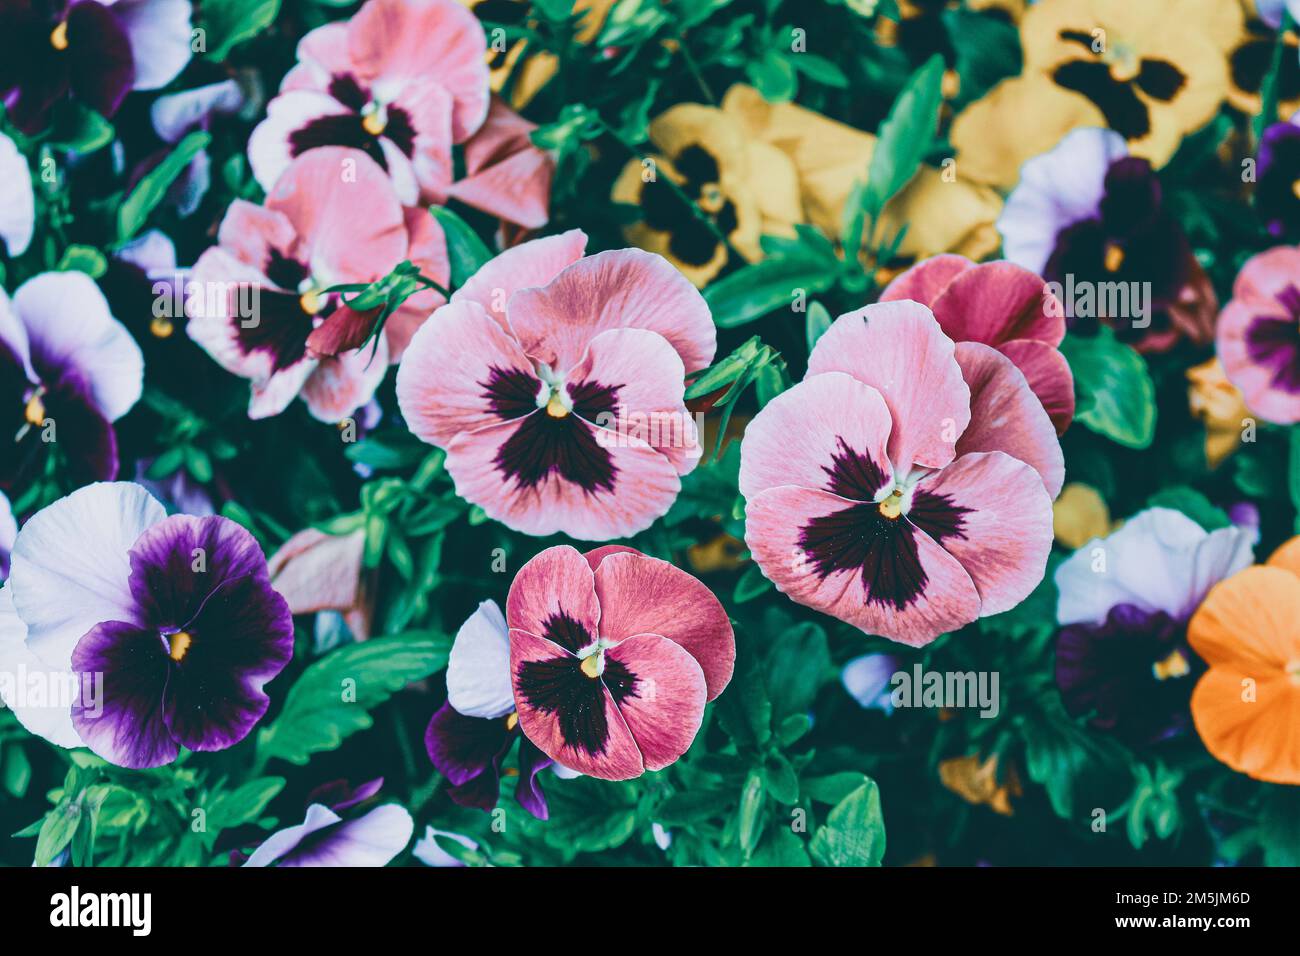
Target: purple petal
[323, 839]
[159, 34]
[529, 789]
[100, 64]
[461, 747]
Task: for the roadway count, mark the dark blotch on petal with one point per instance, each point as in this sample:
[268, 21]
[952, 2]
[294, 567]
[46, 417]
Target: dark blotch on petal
[853, 475]
[558, 686]
[566, 631]
[937, 516]
[1125, 113]
[861, 539]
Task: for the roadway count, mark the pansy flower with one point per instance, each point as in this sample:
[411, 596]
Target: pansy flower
[470, 736]
[255, 298]
[326, 838]
[1124, 601]
[1277, 188]
[315, 571]
[402, 80]
[613, 655]
[1250, 61]
[905, 485]
[1247, 705]
[68, 371]
[1151, 71]
[1258, 335]
[167, 627]
[1003, 305]
[1218, 403]
[555, 383]
[1089, 217]
[941, 213]
[744, 188]
[95, 50]
[17, 200]
[868, 678]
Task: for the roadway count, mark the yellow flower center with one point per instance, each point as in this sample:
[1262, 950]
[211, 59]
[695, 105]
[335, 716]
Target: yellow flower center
[1175, 665]
[311, 301]
[373, 123]
[892, 506]
[555, 406]
[1114, 257]
[162, 327]
[1295, 189]
[1123, 61]
[34, 410]
[178, 645]
[512, 721]
[591, 666]
[59, 36]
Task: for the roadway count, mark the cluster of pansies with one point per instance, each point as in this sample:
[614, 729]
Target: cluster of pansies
[679, 421]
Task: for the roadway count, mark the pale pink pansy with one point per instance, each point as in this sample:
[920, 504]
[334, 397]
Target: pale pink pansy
[613, 655]
[1003, 305]
[402, 80]
[255, 298]
[555, 382]
[1258, 335]
[906, 485]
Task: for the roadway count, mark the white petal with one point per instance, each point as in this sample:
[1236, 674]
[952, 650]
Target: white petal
[71, 566]
[160, 33]
[428, 852]
[17, 203]
[23, 677]
[1160, 560]
[478, 671]
[68, 321]
[174, 114]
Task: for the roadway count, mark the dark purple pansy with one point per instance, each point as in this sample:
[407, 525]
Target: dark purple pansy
[1277, 192]
[68, 370]
[470, 751]
[186, 664]
[94, 52]
[1133, 673]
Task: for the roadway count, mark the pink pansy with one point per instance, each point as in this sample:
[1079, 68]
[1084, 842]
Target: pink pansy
[256, 297]
[905, 485]
[555, 382]
[402, 80]
[613, 655]
[505, 174]
[315, 571]
[1003, 305]
[1258, 335]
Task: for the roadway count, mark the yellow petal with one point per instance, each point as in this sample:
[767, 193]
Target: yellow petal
[1079, 514]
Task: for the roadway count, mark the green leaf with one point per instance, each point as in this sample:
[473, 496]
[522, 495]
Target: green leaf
[780, 846]
[819, 68]
[1114, 394]
[773, 76]
[85, 259]
[905, 136]
[1191, 503]
[331, 700]
[244, 804]
[816, 324]
[56, 831]
[854, 831]
[465, 249]
[230, 22]
[1078, 768]
[797, 667]
[750, 585]
[153, 186]
[691, 806]
[17, 770]
[745, 710]
[749, 815]
[1280, 826]
[755, 290]
[80, 129]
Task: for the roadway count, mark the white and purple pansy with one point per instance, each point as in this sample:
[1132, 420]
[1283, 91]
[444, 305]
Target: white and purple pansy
[137, 634]
[97, 51]
[327, 838]
[17, 200]
[68, 370]
[470, 736]
[8, 532]
[1122, 654]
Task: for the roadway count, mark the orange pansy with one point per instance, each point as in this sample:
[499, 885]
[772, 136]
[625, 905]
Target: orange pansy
[1247, 706]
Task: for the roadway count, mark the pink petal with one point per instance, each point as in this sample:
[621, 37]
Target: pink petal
[558, 582]
[429, 108]
[645, 486]
[899, 349]
[271, 396]
[269, 152]
[507, 176]
[342, 205]
[1265, 275]
[625, 288]
[213, 322]
[1006, 534]
[999, 301]
[427, 248]
[1048, 375]
[341, 384]
[926, 280]
[321, 53]
[450, 359]
[596, 555]
[315, 571]
[532, 263]
[1007, 416]
[1255, 381]
[651, 386]
[774, 521]
[644, 595]
[666, 705]
[425, 41]
[797, 436]
[619, 758]
[251, 233]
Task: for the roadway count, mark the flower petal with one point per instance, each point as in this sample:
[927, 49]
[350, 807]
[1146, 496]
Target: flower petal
[1048, 374]
[17, 201]
[40, 696]
[160, 35]
[463, 748]
[664, 703]
[554, 596]
[532, 263]
[478, 670]
[899, 349]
